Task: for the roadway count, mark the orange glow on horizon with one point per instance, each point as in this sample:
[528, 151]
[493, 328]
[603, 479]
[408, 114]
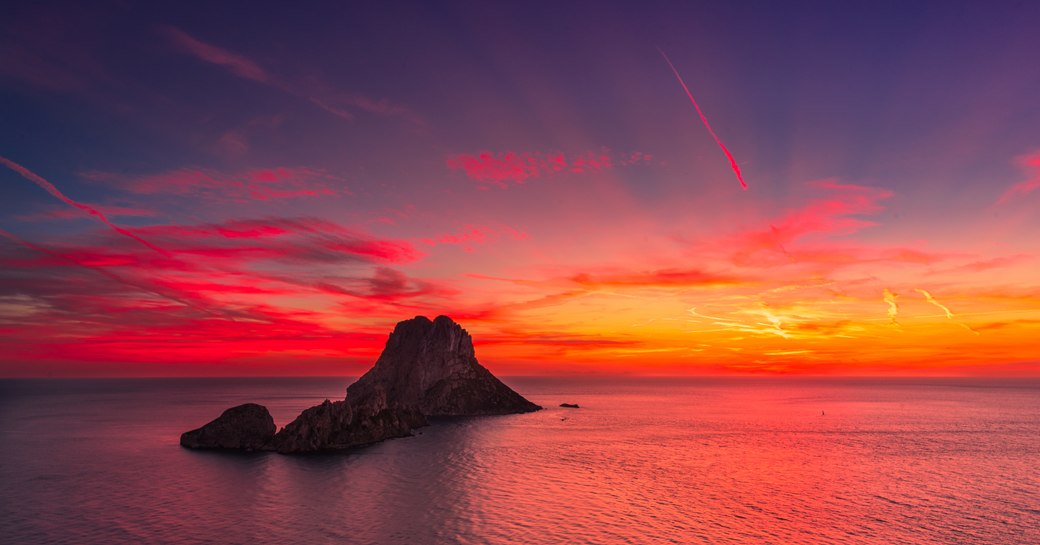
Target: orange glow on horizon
[210, 203]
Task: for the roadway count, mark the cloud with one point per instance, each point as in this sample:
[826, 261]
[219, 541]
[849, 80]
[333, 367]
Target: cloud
[840, 213]
[994, 263]
[473, 235]
[237, 64]
[666, 278]
[386, 285]
[928, 297]
[307, 240]
[233, 143]
[893, 306]
[56, 193]
[66, 213]
[259, 184]
[499, 169]
[558, 341]
[1030, 163]
[313, 91]
[187, 300]
[230, 290]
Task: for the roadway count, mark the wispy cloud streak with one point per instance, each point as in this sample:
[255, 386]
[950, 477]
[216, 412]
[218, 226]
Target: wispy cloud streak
[928, 297]
[1027, 186]
[238, 64]
[893, 306]
[50, 188]
[316, 93]
[107, 274]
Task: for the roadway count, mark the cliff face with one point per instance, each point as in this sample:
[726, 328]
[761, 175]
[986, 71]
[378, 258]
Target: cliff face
[428, 368]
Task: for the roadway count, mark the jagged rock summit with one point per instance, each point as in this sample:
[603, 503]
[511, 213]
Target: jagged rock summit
[428, 368]
[431, 365]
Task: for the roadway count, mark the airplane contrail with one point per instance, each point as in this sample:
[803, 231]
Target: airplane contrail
[893, 307]
[928, 297]
[56, 193]
[949, 314]
[704, 119]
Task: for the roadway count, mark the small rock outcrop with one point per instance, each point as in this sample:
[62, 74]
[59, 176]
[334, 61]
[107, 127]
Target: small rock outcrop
[428, 368]
[245, 427]
[570, 405]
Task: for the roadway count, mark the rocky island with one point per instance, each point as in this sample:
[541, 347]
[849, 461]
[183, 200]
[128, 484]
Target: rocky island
[428, 368]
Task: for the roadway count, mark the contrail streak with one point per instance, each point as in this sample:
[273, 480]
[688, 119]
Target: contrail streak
[928, 297]
[893, 307]
[704, 119]
[949, 314]
[54, 191]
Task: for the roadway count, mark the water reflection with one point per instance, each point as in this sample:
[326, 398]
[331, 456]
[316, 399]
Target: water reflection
[641, 462]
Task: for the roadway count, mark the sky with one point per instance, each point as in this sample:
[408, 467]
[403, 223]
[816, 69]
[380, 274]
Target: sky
[227, 189]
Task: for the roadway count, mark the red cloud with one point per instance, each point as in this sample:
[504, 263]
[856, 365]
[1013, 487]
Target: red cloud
[500, 168]
[210, 302]
[292, 239]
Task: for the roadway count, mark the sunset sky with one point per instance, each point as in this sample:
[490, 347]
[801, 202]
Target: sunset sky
[201, 189]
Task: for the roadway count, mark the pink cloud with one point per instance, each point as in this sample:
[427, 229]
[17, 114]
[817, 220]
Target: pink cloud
[314, 91]
[56, 193]
[995, 263]
[500, 168]
[837, 214]
[293, 239]
[1029, 162]
[236, 245]
[211, 300]
[259, 184]
[473, 235]
[212, 54]
[232, 143]
[67, 213]
[381, 107]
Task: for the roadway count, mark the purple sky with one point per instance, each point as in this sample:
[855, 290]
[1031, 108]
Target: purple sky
[252, 188]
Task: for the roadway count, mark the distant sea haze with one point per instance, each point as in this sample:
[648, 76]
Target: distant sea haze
[644, 460]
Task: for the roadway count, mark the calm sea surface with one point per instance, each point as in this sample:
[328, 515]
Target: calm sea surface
[643, 461]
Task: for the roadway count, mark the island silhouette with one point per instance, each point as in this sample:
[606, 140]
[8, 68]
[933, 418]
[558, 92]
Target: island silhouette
[428, 368]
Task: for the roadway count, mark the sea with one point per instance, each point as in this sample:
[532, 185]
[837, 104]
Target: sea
[643, 460]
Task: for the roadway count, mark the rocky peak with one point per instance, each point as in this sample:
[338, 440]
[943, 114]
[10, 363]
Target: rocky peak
[418, 354]
[427, 368]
